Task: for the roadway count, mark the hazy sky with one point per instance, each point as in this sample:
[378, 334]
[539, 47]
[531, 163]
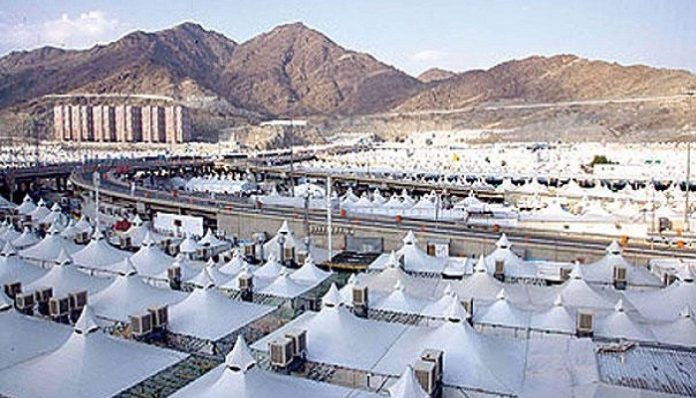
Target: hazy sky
[412, 35]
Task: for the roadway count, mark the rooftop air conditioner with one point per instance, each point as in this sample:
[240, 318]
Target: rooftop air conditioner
[426, 374]
[360, 296]
[565, 273]
[24, 302]
[619, 277]
[301, 257]
[584, 324]
[281, 352]
[499, 270]
[431, 249]
[249, 251]
[174, 273]
[125, 242]
[160, 316]
[668, 278]
[436, 357]
[299, 339]
[43, 295]
[141, 324]
[288, 253]
[12, 289]
[245, 282]
[58, 306]
[77, 300]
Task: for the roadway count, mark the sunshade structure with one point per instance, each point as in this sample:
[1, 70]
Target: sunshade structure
[26, 207]
[64, 278]
[150, 260]
[14, 269]
[336, 336]
[129, 295]
[239, 377]
[211, 242]
[513, 265]
[46, 252]
[400, 301]
[284, 234]
[285, 286]
[407, 386]
[98, 254]
[88, 364]
[412, 258]
[188, 246]
[6, 205]
[602, 271]
[208, 314]
[26, 239]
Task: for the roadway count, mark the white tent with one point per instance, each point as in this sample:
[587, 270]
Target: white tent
[129, 295]
[239, 377]
[576, 293]
[98, 254]
[271, 269]
[39, 213]
[400, 301]
[513, 265]
[211, 241]
[619, 325]
[664, 304]
[48, 250]
[480, 285]
[555, 319]
[26, 239]
[8, 233]
[602, 271]
[27, 206]
[208, 314]
[679, 332]
[272, 247]
[407, 386]
[236, 264]
[14, 269]
[287, 287]
[150, 260]
[64, 278]
[310, 273]
[502, 313]
[24, 337]
[89, 364]
[140, 231]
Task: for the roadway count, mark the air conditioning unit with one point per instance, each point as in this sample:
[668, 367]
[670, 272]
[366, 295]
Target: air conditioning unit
[203, 252]
[58, 306]
[431, 249]
[125, 242]
[246, 282]
[160, 316]
[174, 273]
[249, 251]
[301, 257]
[82, 237]
[360, 296]
[43, 295]
[77, 300]
[24, 302]
[499, 272]
[668, 278]
[299, 339]
[173, 249]
[620, 277]
[281, 352]
[436, 357]
[469, 306]
[288, 253]
[141, 324]
[13, 289]
[565, 273]
[426, 374]
[165, 243]
[584, 324]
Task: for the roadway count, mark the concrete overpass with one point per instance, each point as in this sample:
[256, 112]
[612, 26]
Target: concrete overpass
[242, 218]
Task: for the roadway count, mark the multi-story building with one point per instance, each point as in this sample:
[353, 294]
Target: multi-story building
[121, 123]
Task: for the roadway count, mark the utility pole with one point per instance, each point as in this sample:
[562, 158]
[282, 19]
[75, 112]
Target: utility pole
[329, 227]
[688, 187]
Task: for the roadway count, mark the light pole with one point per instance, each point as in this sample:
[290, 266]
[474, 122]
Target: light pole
[688, 187]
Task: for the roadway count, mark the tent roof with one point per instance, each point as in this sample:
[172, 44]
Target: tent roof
[208, 314]
[407, 386]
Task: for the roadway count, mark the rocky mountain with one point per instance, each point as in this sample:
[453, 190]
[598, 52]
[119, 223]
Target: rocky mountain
[295, 71]
[435, 75]
[549, 80]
